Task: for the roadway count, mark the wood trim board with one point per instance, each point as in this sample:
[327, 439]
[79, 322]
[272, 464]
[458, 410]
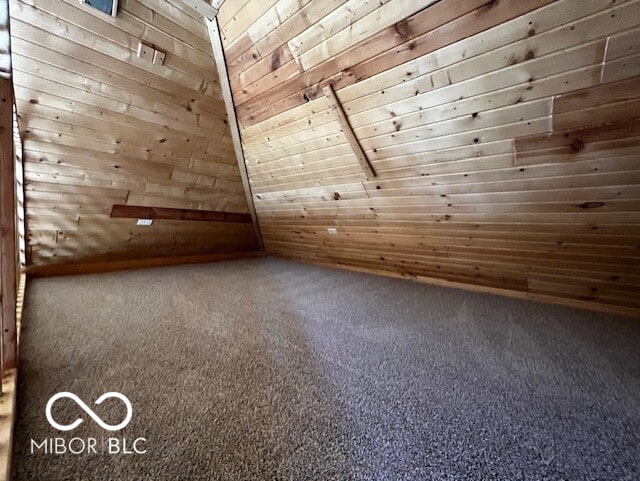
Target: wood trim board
[202, 7]
[8, 398]
[218, 55]
[343, 120]
[144, 212]
[8, 282]
[529, 296]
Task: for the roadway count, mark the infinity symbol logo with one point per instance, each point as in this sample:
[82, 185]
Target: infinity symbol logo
[87, 409]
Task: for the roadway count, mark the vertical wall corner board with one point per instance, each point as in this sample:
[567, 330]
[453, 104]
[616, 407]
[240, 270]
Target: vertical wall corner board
[204, 8]
[8, 266]
[218, 55]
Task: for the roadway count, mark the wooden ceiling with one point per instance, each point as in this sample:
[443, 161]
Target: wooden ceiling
[103, 127]
[505, 137]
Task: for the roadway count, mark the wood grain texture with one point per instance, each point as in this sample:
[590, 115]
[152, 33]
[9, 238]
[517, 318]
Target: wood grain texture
[72, 269]
[504, 136]
[203, 7]
[213, 28]
[141, 212]
[346, 128]
[103, 127]
[8, 223]
[8, 410]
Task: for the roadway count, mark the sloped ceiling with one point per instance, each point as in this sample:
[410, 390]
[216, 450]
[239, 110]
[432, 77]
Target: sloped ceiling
[505, 137]
[102, 127]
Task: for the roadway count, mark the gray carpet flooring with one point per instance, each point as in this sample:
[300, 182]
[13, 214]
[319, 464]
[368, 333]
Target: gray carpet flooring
[270, 370]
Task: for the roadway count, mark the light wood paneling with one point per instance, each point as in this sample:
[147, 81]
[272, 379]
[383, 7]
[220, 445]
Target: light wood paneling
[505, 137]
[103, 127]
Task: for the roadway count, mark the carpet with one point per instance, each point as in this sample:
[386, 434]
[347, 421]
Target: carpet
[265, 369]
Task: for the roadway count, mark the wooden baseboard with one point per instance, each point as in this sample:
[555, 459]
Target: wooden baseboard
[544, 298]
[109, 266]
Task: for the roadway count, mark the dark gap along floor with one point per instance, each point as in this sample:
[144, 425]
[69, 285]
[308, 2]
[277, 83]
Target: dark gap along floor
[266, 369]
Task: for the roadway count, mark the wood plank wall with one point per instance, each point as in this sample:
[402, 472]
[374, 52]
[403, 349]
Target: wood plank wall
[505, 135]
[102, 127]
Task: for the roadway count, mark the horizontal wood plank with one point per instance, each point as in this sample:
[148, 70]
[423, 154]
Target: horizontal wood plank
[101, 127]
[504, 137]
[142, 212]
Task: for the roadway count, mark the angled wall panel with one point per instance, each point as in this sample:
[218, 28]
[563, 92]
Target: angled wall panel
[505, 137]
[102, 126]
